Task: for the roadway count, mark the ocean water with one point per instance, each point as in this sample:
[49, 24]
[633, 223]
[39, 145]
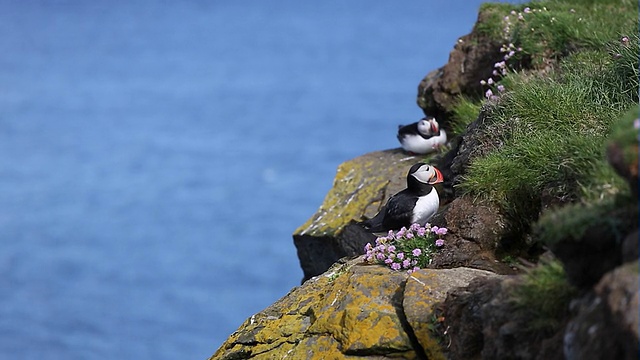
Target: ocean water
[155, 157]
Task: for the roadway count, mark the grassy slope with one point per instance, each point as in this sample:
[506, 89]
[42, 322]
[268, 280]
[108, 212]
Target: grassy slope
[552, 122]
[572, 77]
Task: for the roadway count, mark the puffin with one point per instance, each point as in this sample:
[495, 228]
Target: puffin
[422, 137]
[415, 204]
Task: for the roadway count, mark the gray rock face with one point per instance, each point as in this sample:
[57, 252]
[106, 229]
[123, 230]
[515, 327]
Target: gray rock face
[606, 323]
[470, 61]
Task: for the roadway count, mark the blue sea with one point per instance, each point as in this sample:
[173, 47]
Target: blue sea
[156, 156]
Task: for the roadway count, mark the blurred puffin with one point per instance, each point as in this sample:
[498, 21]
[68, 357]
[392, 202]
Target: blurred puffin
[422, 137]
[415, 204]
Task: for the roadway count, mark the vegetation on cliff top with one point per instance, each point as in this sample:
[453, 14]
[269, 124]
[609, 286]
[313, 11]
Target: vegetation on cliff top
[570, 71]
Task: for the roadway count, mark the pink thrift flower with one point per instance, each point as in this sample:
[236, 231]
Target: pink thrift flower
[421, 231]
[416, 268]
[388, 261]
[527, 10]
[488, 94]
[367, 247]
[390, 235]
[490, 81]
[395, 266]
[409, 235]
[435, 229]
[501, 88]
[400, 256]
[439, 242]
[406, 263]
[391, 248]
[416, 252]
[380, 256]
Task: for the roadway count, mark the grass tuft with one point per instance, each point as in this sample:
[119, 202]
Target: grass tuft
[465, 111]
[543, 297]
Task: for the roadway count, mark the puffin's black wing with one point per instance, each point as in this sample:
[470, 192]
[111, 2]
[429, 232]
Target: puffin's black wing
[396, 213]
[411, 129]
[399, 211]
[375, 223]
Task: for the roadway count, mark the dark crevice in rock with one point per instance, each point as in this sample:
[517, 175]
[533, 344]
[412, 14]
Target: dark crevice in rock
[398, 299]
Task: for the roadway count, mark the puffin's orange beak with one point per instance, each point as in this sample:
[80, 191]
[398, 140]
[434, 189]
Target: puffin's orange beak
[438, 178]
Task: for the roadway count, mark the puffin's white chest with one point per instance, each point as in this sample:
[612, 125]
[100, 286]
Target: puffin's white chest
[426, 206]
[419, 145]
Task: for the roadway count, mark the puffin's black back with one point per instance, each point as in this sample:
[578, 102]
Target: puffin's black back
[411, 129]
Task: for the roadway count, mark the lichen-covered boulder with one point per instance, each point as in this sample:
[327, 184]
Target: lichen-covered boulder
[353, 310]
[361, 187]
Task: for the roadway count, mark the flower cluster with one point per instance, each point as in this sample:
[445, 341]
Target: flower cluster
[408, 249]
[500, 69]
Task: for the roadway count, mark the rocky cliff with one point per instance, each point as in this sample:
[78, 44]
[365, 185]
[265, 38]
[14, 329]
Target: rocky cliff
[558, 281]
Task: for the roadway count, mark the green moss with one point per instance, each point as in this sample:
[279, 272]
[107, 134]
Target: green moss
[625, 135]
[543, 297]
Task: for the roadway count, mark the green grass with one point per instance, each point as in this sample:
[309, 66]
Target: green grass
[555, 28]
[550, 131]
[613, 215]
[542, 297]
[464, 112]
[492, 14]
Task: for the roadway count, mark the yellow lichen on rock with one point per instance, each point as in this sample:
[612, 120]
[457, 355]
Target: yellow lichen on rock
[424, 289]
[351, 310]
[359, 189]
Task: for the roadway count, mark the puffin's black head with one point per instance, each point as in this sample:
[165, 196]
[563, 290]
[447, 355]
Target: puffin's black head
[422, 173]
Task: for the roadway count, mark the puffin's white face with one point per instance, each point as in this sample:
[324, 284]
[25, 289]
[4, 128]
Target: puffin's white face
[428, 174]
[428, 127]
[424, 127]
